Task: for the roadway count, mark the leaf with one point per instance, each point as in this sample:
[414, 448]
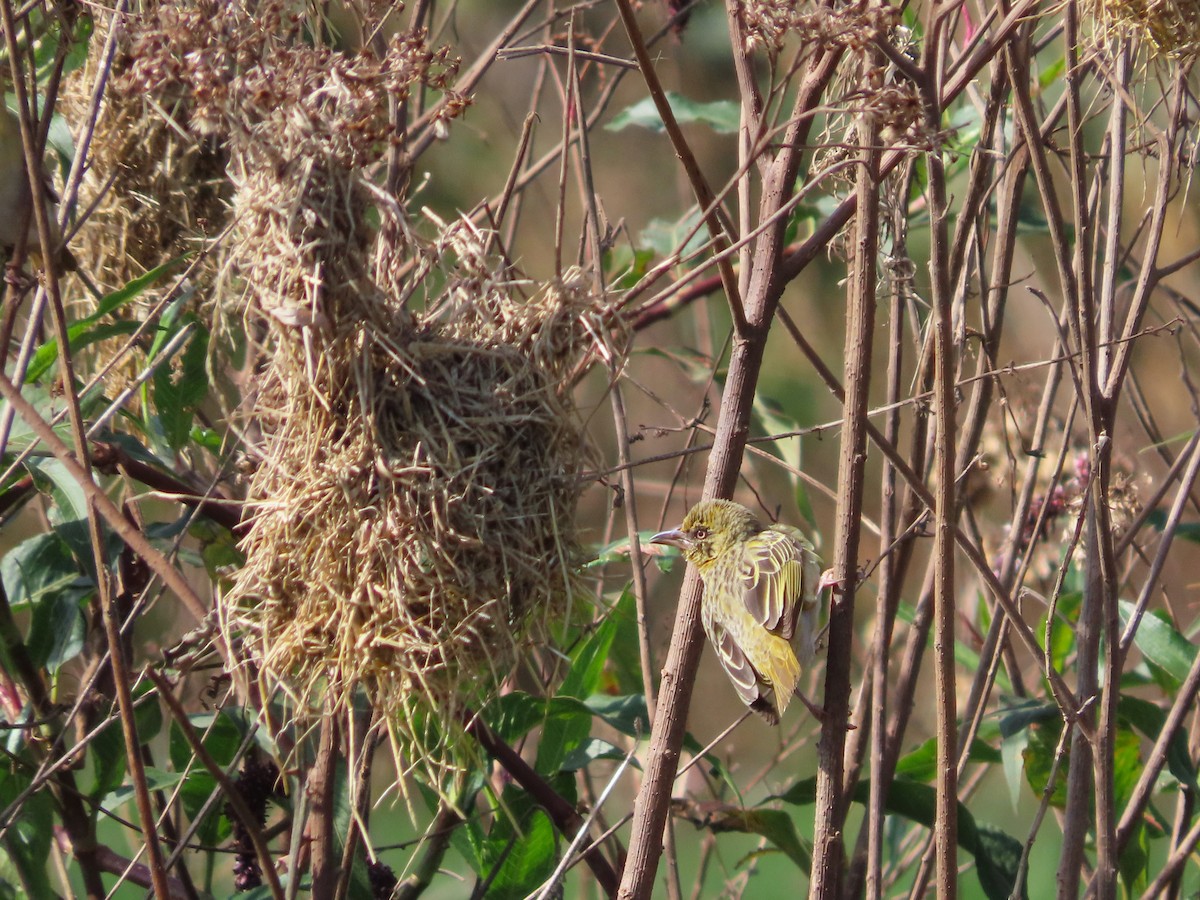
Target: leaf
[39, 566]
[57, 629]
[47, 402]
[1062, 630]
[921, 764]
[177, 395]
[511, 716]
[590, 751]
[565, 732]
[623, 672]
[774, 419]
[1187, 530]
[773, 824]
[67, 494]
[219, 733]
[84, 331]
[1160, 643]
[107, 753]
[995, 855]
[1134, 862]
[521, 862]
[1149, 719]
[28, 837]
[666, 237]
[627, 714]
[723, 116]
[156, 780]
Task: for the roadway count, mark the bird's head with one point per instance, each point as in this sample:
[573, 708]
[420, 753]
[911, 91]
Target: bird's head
[710, 529]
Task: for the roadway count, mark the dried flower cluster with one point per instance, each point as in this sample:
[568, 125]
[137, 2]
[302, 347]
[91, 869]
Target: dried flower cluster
[768, 23]
[1170, 27]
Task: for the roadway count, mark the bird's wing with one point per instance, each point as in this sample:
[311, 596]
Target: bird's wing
[780, 572]
[745, 678]
[735, 663]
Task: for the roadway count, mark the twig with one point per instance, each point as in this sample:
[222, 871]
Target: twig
[232, 795]
[564, 816]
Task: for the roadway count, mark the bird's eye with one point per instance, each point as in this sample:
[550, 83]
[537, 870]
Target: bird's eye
[700, 533]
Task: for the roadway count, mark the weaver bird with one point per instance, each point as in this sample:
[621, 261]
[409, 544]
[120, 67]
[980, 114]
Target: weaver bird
[16, 197]
[760, 601]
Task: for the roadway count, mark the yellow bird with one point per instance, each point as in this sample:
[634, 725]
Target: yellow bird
[760, 601]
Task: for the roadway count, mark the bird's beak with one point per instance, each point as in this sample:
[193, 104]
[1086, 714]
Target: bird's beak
[674, 538]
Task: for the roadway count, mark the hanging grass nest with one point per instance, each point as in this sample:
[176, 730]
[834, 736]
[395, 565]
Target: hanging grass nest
[417, 453]
[414, 513]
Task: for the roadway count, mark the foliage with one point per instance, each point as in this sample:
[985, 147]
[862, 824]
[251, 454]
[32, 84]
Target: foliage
[908, 277]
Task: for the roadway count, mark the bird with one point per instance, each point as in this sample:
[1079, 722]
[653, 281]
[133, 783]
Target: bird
[16, 197]
[760, 601]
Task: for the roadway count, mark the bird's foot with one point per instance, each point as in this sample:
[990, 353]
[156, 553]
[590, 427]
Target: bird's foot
[819, 713]
[16, 278]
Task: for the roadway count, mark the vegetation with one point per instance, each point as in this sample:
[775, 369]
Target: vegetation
[385, 337]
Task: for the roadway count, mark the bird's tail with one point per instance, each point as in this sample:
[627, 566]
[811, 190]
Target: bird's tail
[783, 675]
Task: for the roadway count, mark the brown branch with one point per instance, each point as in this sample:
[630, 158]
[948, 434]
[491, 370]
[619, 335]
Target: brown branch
[437, 842]
[322, 824]
[705, 197]
[831, 802]
[112, 459]
[232, 795]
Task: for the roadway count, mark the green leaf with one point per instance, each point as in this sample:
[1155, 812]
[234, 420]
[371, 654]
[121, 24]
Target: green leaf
[665, 237]
[107, 753]
[29, 835]
[1148, 718]
[156, 780]
[773, 824]
[50, 404]
[589, 751]
[625, 266]
[88, 329]
[512, 715]
[521, 861]
[563, 733]
[1134, 862]
[516, 854]
[38, 567]
[1038, 759]
[623, 674]
[723, 116]
[1062, 632]
[177, 395]
[996, 855]
[774, 419]
[627, 714]
[69, 502]
[1187, 530]
[1160, 643]
[921, 764]
[219, 733]
[57, 628]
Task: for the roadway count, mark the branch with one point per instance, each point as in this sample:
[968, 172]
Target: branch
[566, 819]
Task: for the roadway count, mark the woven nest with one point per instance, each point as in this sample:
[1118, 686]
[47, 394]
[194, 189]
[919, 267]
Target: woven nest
[418, 452]
[1171, 28]
[415, 526]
